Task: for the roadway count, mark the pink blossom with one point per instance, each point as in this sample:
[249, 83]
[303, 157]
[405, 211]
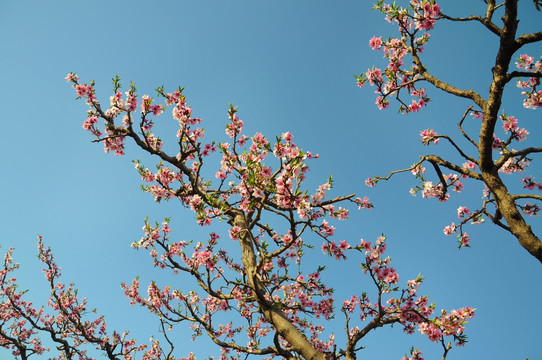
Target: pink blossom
[374, 75]
[496, 143]
[235, 232]
[344, 245]
[382, 103]
[529, 183]
[449, 230]
[469, 165]
[530, 209]
[370, 182]
[429, 135]
[431, 330]
[415, 106]
[524, 62]
[326, 229]
[462, 211]
[418, 170]
[509, 123]
[533, 100]
[364, 204]
[235, 127]
[464, 240]
[375, 43]
[521, 134]
[365, 244]
[458, 186]
[287, 136]
[477, 114]
[87, 125]
[71, 77]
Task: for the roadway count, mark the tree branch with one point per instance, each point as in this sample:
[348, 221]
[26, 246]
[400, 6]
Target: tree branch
[469, 94]
[484, 21]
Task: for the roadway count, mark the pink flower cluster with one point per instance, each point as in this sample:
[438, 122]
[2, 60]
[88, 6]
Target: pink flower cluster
[235, 127]
[370, 182]
[434, 191]
[462, 212]
[364, 203]
[533, 96]
[514, 164]
[530, 209]
[147, 107]
[394, 78]
[374, 262]
[429, 135]
[510, 124]
[409, 309]
[426, 14]
[463, 237]
[255, 179]
[529, 183]
[415, 354]
[299, 295]
[66, 319]
[331, 248]
[375, 43]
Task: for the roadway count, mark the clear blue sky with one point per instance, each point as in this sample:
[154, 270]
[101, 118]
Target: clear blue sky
[288, 65]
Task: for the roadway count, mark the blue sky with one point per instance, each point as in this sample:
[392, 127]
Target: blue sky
[288, 66]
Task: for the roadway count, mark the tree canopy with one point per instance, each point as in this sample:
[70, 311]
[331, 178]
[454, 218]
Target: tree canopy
[262, 281]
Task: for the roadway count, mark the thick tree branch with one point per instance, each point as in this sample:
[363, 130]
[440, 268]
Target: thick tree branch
[449, 165]
[527, 196]
[468, 94]
[483, 20]
[528, 38]
[516, 74]
[520, 153]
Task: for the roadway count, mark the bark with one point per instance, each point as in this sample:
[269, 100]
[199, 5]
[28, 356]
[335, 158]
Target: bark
[298, 341]
[491, 107]
[505, 202]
